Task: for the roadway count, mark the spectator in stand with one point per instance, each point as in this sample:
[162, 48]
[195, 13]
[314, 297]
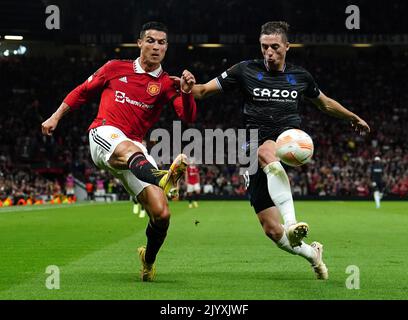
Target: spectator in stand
[70, 186]
[100, 186]
[208, 188]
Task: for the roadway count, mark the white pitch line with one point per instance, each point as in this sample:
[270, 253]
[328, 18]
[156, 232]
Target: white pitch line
[47, 207]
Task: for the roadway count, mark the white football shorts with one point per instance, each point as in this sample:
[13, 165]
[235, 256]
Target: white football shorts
[193, 187]
[102, 143]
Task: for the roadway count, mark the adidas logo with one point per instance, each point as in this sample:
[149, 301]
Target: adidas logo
[123, 79]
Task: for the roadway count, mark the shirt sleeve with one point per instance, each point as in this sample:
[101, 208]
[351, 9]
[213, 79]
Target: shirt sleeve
[171, 92]
[87, 90]
[230, 79]
[185, 107]
[183, 103]
[312, 90]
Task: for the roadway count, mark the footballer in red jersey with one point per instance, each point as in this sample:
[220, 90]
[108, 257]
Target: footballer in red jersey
[193, 184]
[132, 96]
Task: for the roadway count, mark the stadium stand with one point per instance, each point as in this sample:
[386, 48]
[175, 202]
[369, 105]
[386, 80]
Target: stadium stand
[369, 81]
[35, 166]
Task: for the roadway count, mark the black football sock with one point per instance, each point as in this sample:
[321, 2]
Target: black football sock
[142, 168]
[155, 238]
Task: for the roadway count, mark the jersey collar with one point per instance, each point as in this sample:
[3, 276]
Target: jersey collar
[267, 67]
[138, 69]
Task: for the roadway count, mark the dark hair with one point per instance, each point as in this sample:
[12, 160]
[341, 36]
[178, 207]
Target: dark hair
[153, 25]
[276, 27]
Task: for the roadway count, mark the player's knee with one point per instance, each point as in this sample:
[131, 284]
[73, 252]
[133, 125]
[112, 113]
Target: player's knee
[274, 231]
[125, 147]
[122, 153]
[266, 152]
[160, 212]
[164, 214]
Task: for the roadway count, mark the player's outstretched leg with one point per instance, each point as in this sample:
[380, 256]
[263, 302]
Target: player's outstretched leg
[319, 267]
[170, 179]
[280, 192]
[297, 232]
[155, 203]
[143, 169]
[269, 219]
[165, 179]
[312, 253]
[129, 156]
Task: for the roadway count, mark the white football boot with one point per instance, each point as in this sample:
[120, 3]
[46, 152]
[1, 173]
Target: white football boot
[296, 232]
[320, 269]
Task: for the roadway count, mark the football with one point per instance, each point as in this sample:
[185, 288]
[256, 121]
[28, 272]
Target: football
[294, 147]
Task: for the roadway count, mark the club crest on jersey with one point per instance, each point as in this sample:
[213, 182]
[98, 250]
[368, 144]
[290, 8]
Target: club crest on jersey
[291, 79]
[153, 88]
[114, 136]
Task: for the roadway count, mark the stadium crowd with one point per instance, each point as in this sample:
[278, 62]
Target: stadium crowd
[34, 166]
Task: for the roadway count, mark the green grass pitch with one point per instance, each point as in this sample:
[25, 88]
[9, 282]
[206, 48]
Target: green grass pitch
[224, 256]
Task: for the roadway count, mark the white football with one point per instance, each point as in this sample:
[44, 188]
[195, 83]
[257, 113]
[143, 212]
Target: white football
[294, 147]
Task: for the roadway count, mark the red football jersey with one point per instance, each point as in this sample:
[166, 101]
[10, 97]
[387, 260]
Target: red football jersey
[131, 99]
[193, 175]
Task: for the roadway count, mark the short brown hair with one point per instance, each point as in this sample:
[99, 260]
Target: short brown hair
[153, 25]
[276, 27]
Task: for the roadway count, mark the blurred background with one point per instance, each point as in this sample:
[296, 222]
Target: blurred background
[365, 69]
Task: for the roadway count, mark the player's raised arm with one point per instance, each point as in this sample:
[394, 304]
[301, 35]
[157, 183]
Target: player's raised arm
[49, 125]
[202, 91]
[225, 82]
[80, 95]
[335, 109]
[184, 103]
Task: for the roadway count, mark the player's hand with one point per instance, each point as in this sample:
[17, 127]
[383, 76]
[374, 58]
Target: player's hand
[187, 81]
[48, 126]
[360, 126]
